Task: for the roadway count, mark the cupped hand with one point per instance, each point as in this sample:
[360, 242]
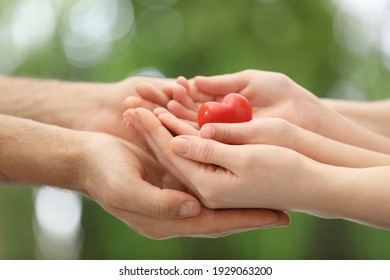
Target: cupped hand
[279, 132]
[131, 185]
[205, 179]
[271, 95]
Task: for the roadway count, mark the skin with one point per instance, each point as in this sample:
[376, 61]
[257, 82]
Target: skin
[71, 135]
[330, 159]
[279, 132]
[374, 115]
[248, 175]
[272, 95]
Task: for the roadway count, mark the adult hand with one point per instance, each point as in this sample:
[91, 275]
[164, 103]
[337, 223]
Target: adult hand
[131, 185]
[103, 108]
[120, 176]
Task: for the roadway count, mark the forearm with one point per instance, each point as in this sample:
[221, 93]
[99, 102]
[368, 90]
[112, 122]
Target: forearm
[372, 115]
[360, 195]
[49, 101]
[35, 154]
[333, 152]
[342, 129]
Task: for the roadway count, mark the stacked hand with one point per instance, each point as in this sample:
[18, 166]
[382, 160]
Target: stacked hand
[285, 158]
[139, 190]
[75, 139]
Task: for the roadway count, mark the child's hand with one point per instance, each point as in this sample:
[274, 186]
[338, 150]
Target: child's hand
[226, 176]
[279, 132]
[270, 94]
[187, 171]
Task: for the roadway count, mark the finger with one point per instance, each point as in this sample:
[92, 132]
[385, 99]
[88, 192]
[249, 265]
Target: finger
[193, 93]
[221, 84]
[235, 133]
[208, 224]
[197, 95]
[180, 94]
[284, 219]
[152, 93]
[178, 127]
[206, 151]
[167, 90]
[184, 83]
[181, 111]
[217, 223]
[159, 111]
[158, 139]
[152, 201]
[135, 102]
[271, 131]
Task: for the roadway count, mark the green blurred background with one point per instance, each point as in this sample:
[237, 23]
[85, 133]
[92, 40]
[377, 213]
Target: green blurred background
[335, 49]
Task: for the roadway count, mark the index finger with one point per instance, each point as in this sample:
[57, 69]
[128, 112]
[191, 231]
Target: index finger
[221, 84]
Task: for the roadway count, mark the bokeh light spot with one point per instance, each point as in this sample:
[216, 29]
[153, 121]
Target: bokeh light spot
[92, 27]
[57, 223]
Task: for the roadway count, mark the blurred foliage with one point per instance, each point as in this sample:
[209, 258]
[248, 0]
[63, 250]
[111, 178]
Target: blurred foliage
[293, 37]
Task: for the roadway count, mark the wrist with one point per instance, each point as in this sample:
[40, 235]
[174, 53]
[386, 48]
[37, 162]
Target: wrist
[78, 103]
[38, 154]
[310, 192]
[328, 191]
[355, 194]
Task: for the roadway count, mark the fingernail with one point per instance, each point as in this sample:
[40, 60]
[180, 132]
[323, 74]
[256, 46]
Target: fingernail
[207, 131]
[269, 221]
[179, 145]
[189, 209]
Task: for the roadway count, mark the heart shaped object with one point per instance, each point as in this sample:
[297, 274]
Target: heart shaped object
[234, 108]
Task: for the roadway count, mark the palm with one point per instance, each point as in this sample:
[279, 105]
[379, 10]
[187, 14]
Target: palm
[271, 95]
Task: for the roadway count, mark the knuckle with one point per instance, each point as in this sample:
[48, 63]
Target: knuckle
[160, 209]
[246, 160]
[109, 198]
[281, 125]
[249, 72]
[283, 79]
[206, 151]
[282, 131]
[274, 131]
[224, 134]
[165, 156]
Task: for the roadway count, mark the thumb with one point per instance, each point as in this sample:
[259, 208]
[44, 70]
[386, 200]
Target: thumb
[235, 133]
[205, 151]
[160, 203]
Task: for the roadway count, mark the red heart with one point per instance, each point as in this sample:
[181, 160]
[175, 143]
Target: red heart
[234, 108]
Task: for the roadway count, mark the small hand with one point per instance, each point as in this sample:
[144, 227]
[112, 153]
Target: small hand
[271, 95]
[221, 179]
